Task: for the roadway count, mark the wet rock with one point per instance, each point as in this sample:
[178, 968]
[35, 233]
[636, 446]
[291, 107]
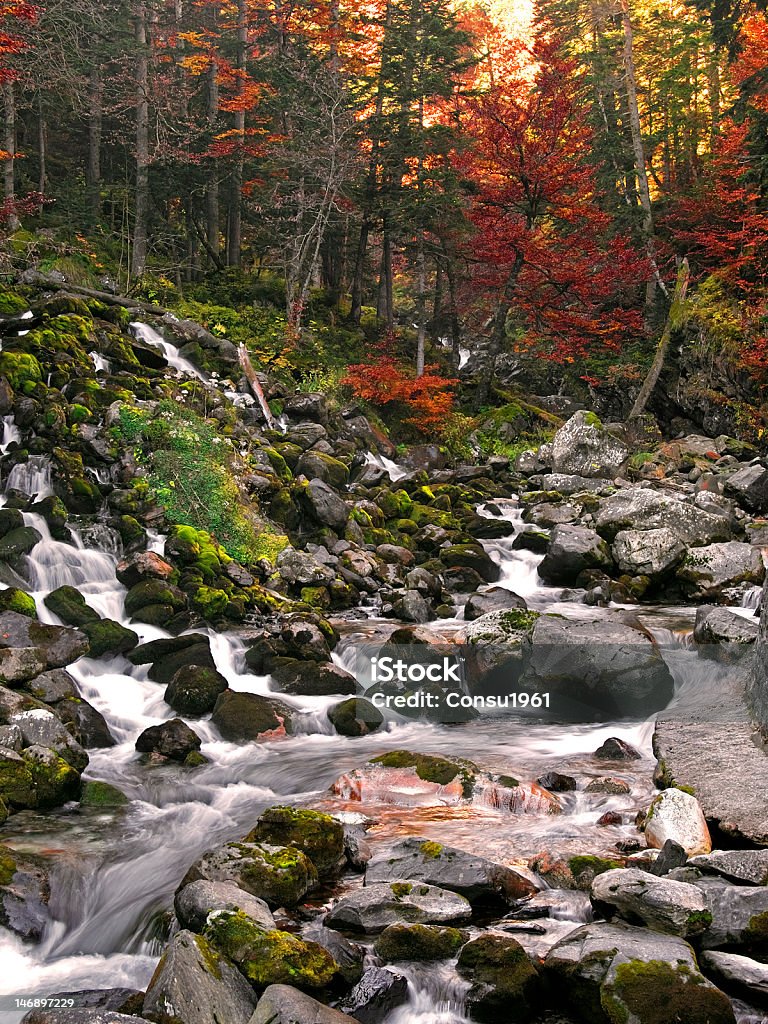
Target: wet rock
[24, 895]
[676, 815]
[472, 556]
[494, 599]
[505, 983]
[675, 908]
[640, 508]
[69, 604]
[708, 573]
[355, 717]
[283, 1004]
[318, 835]
[116, 1000]
[312, 679]
[194, 983]
[749, 486]
[144, 565]
[595, 668]
[671, 857]
[154, 602]
[244, 717]
[474, 877]
[270, 957]
[45, 729]
[168, 655]
[582, 446]
[739, 915]
[324, 505]
[52, 687]
[357, 849]
[635, 974]
[750, 866]
[98, 794]
[88, 725]
[615, 749]
[609, 818]
[376, 906]
[317, 465]
[571, 551]
[197, 901]
[18, 664]
[37, 778]
[373, 998]
[651, 553]
[410, 606]
[557, 783]
[194, 690]
[173, 739]
[418, 942]
[349, 955]
[17, 543]
[737, 974]
[617, 787]
[58, 645]
[13, 599]
[277, 875]
[109, 638]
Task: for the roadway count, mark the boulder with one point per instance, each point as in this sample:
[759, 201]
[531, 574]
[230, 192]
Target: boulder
[165, 657]
[323, 504]
[36, 778]
[741, 866]
[80, 1015]
[474, 877]
[722, 633]
[88, 725]
[144, 565]
[595, 668]
[495, 599]
[301, 568]
[571, 551]
[24, 895]
[283, 1004]
[418, 942]
[312, 679]
[738, 974]
[410, 606]
[662, 904]
[749, 486]
[278, 875]
[194, 690]
[318, 835]
[195, 984]
[109, 638]
[472, 556]
[739, 915]
[317, 465]
[355, 717]
[640, 508]
[582, 446]
[58, 646]
[676, 815]
[197, 901]
[18, 664]
[376, 906]
[43, 728]
[244, 717]
[173, 739]
[613, 972]
[505, 983]
[709, 573]
[379, 991]
[615, 749]
[69, 604]
[651, 553]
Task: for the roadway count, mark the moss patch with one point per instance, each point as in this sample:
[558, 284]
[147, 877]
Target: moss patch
[430, 768]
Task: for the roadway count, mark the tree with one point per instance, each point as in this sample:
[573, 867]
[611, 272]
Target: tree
[13, 14]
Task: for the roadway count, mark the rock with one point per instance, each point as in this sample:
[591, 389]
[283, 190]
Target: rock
[168, 655]
[195, 984]
[88, 725]
[312, 679]
[69, 604]
[373, 998]
[40, 727]
[144, 565]
[109, 638]
[324, 505]
[12, 599]
[675, 908]
[283, 1004]
[194, 690]
[355, 717]
[410, 606]
[316, 465]
[617, 787]
[173, 739]
[114, 1000]
[52, 687]
[640, 508]
[278, 875]
[18, 664]
[739, 915]
[594, 669]
[36, 779]
[615, 749]
[197, 901]
[102, 795]
[582, 446]
[243, 717]
[418, 942]
[676, 815]
[738, 974]
[729, 634]
[151, 594]
[270, 957]
[750, 866]
[671, 857]
[24, 895]
[650, 553]
[318, 835]
[571, 551]
[17, 543]
[474, 877]
[376, 906]
[357, 850]
[633, 974]
[708, 573]
[58, 645]
[505, 983]
[78, 1015]
[494, 599]
[472, 556]
[557, 783]
[749, 486]
[300, 567]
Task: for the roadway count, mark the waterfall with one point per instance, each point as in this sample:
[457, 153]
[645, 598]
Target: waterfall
[32, 477]
[151, 337]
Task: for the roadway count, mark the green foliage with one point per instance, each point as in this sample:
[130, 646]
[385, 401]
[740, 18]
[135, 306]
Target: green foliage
[321, 381]
[455, 435]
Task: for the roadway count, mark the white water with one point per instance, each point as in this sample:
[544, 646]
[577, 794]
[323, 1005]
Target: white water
[10, 433]
[26, 316]
[33, 477]
[100, 364]
[394, 471]
[150, 336]
[464, 354]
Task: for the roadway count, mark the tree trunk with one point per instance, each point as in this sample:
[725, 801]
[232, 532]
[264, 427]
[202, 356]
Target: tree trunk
[141, 211]
[421, 306]
[212, 187]
[673, 319]
[9, 145]
[498, 334]
[42, 151]
[93, 167]
[358, 276]
[235, 220]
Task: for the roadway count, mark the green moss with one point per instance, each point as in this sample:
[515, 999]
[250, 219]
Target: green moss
[102, 794]
[756, 931]
[210, 957]
[12, 304]
[431, 850]
[593, 420]
[418, 942]
[318, 835]
[15, 600]
[590, 866]
[78, 414]
[699, 920]
[656, 992]
[508, 780]
[278, 876]
[20, 368]
[401, 889]
[431, 768]
[7, 866]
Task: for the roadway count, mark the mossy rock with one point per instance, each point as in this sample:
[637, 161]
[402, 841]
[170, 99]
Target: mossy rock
[431, 768]
[15, 600]
[418, 942]
[194, 690]
[101, 794]
[196, 547]
[270, 957]
[12, 304]
[21, 369]
[154, 592]
[37, 779]
[355, 717]
[108, 637]
[69, 604]
[656, 992]
[10, 519]
[505, 983]
[585, 868]
[318, 835]
[279, 875]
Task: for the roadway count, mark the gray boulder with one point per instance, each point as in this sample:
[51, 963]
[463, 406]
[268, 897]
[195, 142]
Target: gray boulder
[709, 573]
[495, 599]
[477, 879]
[648, 552]
[195, 984]
[738, 974]
[749, 486]
[583, 447]
[198, 900]
[640, 508]
[739, 913]
[572, 549]
[275, 874]
[300, 567]
[676, 908]
[283, 1004]
[323, 504]
[58, 645]
[43, 728]
[750, 866]
[722, 633]
[379, 991]
[376, 906]
[24, 894]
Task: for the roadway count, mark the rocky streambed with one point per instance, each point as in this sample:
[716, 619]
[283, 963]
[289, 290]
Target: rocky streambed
[212, 811]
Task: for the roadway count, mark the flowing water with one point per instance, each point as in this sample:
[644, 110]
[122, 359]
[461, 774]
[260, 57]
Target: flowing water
[174, 359]
[114, 873]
